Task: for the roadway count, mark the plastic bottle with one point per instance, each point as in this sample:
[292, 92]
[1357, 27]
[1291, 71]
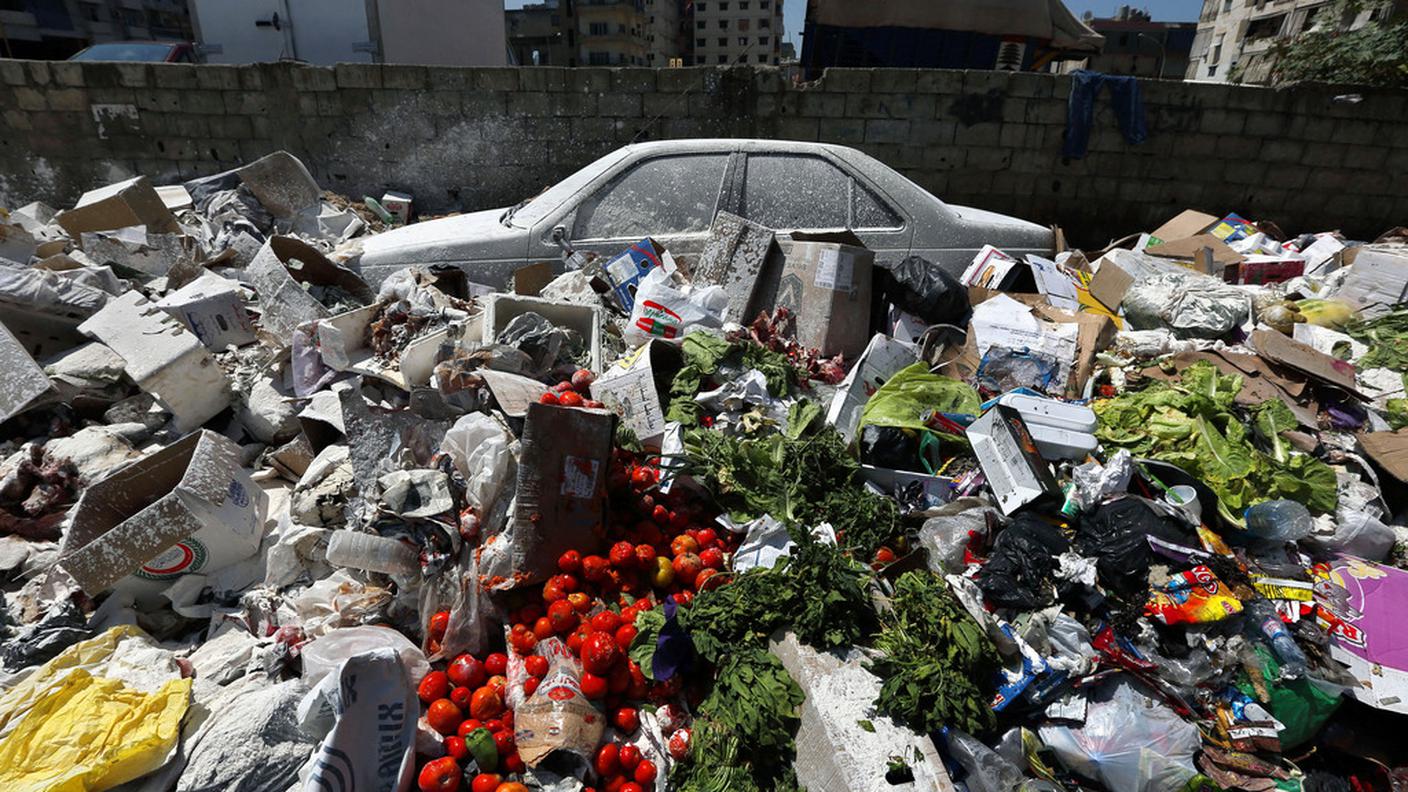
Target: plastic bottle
[1279, 521]
[1264, 623]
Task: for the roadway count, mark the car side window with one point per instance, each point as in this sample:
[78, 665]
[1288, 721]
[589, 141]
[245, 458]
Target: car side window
[870, 211]
[658, 197]
[788, 191]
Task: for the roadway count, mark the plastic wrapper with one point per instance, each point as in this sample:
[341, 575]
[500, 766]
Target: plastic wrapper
[1150, 343]
[1357, 534]
[1188, 303]
[946, 535]
[1003, 369]
[985, 770]
[1128, 742]
[1193, 597]
[373, 707]
[557, 717]
[323, 655]
[665, 308]
[926, 290]
[1095, 482]
[1117, 535]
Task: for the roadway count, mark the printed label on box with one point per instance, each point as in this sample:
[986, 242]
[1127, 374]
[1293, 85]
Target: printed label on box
[834, 271]
[579, 477]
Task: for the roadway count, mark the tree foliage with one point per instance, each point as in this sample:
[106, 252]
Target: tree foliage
[1375, 55]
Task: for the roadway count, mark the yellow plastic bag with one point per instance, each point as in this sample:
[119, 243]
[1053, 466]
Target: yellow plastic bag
[71, 731]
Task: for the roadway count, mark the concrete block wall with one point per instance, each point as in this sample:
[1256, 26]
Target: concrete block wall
[467, 138]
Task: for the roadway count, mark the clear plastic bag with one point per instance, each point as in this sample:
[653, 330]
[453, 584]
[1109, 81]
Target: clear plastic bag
[946, 535]
[667, 309]
[987, 771]
[1128, 742]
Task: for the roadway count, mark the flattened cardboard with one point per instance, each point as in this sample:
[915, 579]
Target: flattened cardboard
[1300, 357]
[162, 357]
[1185, 224]
[283, 303]
[826, 283]
[188, 508]
[745, 259]
[561, 487]
[1095, 332]
[126, 203]
[1189, 249]
[211, 307]
[1390, 450]
[23, 381]
[513, 392]
[281, 183]
[1377, 280]
[636, 387]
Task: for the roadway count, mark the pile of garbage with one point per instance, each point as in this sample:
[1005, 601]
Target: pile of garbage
[773, 517]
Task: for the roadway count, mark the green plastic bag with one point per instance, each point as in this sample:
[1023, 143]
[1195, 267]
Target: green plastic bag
[915, 394]
[1297, 703]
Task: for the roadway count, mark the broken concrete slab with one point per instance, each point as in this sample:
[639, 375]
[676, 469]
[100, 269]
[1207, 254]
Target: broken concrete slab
[834, 749]
[23, 380]
[163, 358]
[126, 203]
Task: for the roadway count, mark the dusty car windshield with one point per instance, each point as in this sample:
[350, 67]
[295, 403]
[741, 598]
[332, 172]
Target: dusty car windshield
[551, 198]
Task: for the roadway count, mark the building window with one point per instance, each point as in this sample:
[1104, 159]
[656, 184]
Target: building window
[699, 7]
[1226, 6]
[764, 23]
[598, 28]
[723, 6]
[723, 42]
[742, 24]
[762, 59]
[742, 5]
[700, 24]
[555, 20]
[763, 40]
[742, 41]
[763, 4]
[1217, 49]
[723, 59]
[701, 42]
[620, 28]
[1212, 69]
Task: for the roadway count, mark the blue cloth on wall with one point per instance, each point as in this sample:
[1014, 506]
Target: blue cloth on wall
[1080, 110]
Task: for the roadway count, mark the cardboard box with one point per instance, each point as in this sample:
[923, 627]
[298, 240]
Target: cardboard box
[1116, 272]
[625, 271]
[342, 343]
[23, 382]
[1043, 332]
[826, 284]
[1296, 356]
[882, 359]
[1010, 461]
[500, 309]
[278, 269]
[937, 489]
[126, 203]
[1377, 280]
[745, 259]
[163, 358]
[398, 204]
[211, 307]
[1259, 270]
[637, 387]
[561, 493]
[1190, 249]
[188, 508]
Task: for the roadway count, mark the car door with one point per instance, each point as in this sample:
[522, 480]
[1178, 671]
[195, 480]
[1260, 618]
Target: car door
[795, 191]
[671, 198]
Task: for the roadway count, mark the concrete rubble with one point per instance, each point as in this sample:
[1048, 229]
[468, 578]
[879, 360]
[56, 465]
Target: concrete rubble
[783, 514]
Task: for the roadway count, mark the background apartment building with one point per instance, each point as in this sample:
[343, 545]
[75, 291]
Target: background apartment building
[737, 31]
[56, 29]
[598, 33]
[1137, 45]
[1235, 37]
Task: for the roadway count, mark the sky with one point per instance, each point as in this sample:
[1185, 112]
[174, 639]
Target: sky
[795, 11]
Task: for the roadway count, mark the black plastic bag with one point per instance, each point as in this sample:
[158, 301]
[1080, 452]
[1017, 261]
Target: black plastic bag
[1019, 572]
[926, 290]
[889, 447]
[1116, 536]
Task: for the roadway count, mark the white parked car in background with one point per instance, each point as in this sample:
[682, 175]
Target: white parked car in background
[670, 190]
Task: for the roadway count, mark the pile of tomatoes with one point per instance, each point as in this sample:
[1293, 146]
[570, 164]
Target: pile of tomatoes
[659, 546]
[572, 393]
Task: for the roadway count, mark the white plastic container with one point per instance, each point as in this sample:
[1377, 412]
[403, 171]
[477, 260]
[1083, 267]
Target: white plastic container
[1053, 443]
[1039, 411]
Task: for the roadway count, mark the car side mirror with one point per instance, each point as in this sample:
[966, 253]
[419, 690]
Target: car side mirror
[559, 234]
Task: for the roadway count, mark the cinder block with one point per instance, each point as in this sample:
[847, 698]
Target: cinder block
[846, 131]
[496, 79]
[13, 72]
[217, 77]
[821, 105]
[894, 80]
[633, 80]
[314, 78]
[1223, 122]
[846, 80]
[132, 75]
[403, 78]
[173, 75]
[206, 102]
[619, 105]
[798, 129]
[680, 80]
[523, 103]
[884, 131]
[357, 75]
[589, 79]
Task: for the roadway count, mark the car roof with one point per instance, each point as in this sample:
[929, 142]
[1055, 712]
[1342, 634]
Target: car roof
[731, 144]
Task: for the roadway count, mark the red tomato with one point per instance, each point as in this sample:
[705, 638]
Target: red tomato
[614, 784]
[678, 744]
[570, 562]
[562, 617]
[593, 686]
[496, 663]
[507, 719]
[707, 537]
[530, 685]
[512, 786]
[627, 719]
[548, 397]
[702, 579]
[645, 773]
[581, 603]
[443, 716]
[434, 686]
[883, 556]
[683, 545]
[570, 399]
[466, 671]
[542, 628]
[523, 642]
[455, 747]
[619, 680]
[639, 685]
[439, 623]
[582, 379]
[625, 634]
[577, 638]
[594, 568]
[537, 665]
[494, 726]
[600, 653]
[469, 725]
[687, 566]
[606, 622]
[529, 613]
[514, 764]
[630, 786]
[486, 782]
[439, 775]
[712, 558]
[487, 703]
[645, 556]
[503, 742]
[623, 555]
[608, 760]
[683, 598]
[629, 758]
[462, 696]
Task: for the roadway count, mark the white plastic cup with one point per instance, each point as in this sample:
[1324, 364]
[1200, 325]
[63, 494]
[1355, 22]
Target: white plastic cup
[1185, 498]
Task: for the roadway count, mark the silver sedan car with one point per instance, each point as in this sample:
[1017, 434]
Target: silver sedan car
[670, 190]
